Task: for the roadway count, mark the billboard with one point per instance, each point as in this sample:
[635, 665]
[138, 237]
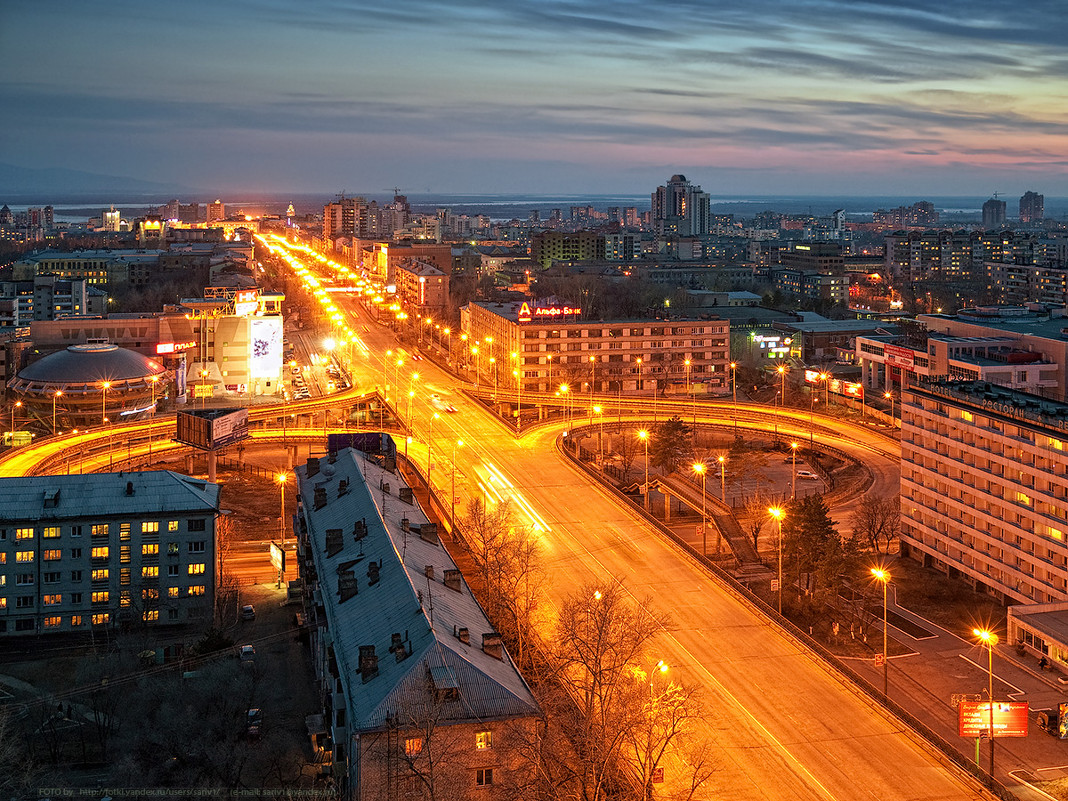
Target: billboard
[1010, 718]
[899, 357]
[246, 302]
[278, 557]
[265, 355]
[212, 428]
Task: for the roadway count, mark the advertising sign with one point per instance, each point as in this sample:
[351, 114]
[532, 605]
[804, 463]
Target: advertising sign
[278, 557]
[209, 429]
[164, 348]
[526, 313]
[265, 358]
[1010, 718]
[899, 357]
[246, 302]
[229, 428]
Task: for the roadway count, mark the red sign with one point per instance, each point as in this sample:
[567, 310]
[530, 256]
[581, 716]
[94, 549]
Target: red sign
[526, 314]
[899, 357]
[1010, 718]
[173, 347]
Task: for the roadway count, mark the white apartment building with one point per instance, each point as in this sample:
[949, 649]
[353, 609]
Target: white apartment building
[85, 552]
[984, 487]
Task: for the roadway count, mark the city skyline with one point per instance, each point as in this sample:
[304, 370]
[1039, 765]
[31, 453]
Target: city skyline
[819, 98]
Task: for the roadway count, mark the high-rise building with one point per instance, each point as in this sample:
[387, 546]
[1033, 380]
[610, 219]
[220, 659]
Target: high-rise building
[216, 211]
[681, 208]
[112, 219]
[356, 217]
[1032, 208]
[993, 213]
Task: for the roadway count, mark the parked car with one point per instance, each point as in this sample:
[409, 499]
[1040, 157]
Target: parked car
[248, 612]
[247, 653]
[253, 723]
[807, 474]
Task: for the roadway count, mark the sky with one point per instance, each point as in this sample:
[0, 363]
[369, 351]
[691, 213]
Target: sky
[815, 97]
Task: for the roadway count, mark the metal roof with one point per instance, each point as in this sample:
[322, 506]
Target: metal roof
[91, 364]
[104, 495]
[405, 601]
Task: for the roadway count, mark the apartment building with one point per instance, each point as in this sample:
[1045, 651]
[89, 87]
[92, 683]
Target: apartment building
[984, 489]
[551, 344]
[83, 552]
[418, 690]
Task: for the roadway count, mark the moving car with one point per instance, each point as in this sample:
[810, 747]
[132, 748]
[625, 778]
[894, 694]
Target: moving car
[807, 474]
[248, 612]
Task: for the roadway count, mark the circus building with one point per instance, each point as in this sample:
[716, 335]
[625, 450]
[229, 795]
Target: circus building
[87, 385]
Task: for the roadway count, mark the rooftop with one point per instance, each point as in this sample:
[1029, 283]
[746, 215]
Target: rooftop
[382, 580]
[104, 495]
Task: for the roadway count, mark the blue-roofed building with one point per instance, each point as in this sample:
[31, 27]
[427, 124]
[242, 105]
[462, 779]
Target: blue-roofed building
[417, 686]
[106, 549]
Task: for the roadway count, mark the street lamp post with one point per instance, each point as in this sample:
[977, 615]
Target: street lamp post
[429, 446]
[55, 396]
[793, 471]
[519, 410]
[890, 397]
[989, 639]
[452, 516]
[14, 406]
[883, 577]
[643, 435]
[701, 470]
[722, 477]
[734, 393]
[281, 478]
[600, 432]
[103, 403]
[777, 513]
[478, 366]
[593, 376]
[781, 370]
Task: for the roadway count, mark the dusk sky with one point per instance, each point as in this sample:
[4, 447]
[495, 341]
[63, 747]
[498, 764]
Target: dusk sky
[759, 97]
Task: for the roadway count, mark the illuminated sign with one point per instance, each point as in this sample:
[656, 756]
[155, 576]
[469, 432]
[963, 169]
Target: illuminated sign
[173, 347]
[246, 302]
[1010, 718]
[203, 390]
[899, 357]
[526, 314]
[265, 357]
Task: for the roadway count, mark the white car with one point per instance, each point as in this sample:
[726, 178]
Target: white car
[807, 474]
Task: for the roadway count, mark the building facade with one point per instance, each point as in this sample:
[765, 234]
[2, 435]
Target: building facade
[984, 487]
[419, 692]
[1032, 208]
[681, 209]
[552, 345]
[85, 552]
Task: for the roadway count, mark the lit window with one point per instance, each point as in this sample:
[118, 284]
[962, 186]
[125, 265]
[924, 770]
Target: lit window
[52, 622]
[172, 548]
[24, 556]
[413, 746]
[100, 552]
[150, 549]
[1055, 533]
[482, 740]
[100, 597]
[24, 533]
[196, 569]
[124, 599]
[196, 589]
[151, 615]
[50, 532]
[3, 603]
[76, 620]
[172, 525]
[149, 571]
[100, 530]
[101, 619]
[101, 574]
[1055, 444]
[124, 554]
[1024, 498]
[53, 600]
[172, 592]
[52, 556]
[150, 527]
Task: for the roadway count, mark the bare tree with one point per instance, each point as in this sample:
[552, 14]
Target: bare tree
[755, 517]
[876, 521]
[17, 768]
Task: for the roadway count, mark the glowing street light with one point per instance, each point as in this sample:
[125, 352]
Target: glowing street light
[883, 577]
[890, 396]
[280, 479]
[14, 406]
[700, 469]
[777, 513]
[793, 470]
[722, 477]
[55, 396]
[989, 639]
[781, 370]
[106, 385]
[734, 392]
[643, 435]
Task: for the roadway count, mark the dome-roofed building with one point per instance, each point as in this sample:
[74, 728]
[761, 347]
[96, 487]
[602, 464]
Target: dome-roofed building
[85, 385]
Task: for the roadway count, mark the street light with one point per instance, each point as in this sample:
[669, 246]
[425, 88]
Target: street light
[103, 404]
[734, 392]
[429, 446]
[15, 405]
[55, 396]
[781, 370]
[643, 435]
[600, 432]
[155, 380]
[452, 517]
[883, 577]
[777, 513]
[593, 376]
[793, 471]
[519, 410]
[722, 477]
[701, 470]
[564, 390]
[989, 639]
[890, 397]
[281, 479]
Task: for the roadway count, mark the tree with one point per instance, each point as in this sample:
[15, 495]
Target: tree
[755, 517]
[877, 520]
[824, 562]
[669, 444]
